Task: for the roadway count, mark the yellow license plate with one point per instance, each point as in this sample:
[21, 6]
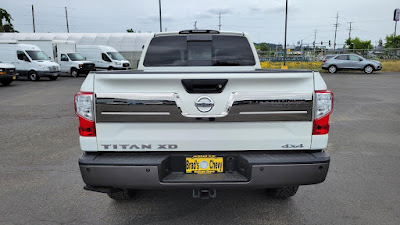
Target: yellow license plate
[204, 164]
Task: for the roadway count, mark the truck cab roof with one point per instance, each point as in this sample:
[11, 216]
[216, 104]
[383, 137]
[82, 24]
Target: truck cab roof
[214, 32]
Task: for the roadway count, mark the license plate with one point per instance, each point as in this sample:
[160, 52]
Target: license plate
[204, 164]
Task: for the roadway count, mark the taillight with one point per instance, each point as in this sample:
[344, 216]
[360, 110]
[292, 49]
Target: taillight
[324, 60]
[323, 109]
[85, 111]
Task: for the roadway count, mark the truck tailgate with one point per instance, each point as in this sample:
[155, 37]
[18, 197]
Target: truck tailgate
[144, 111]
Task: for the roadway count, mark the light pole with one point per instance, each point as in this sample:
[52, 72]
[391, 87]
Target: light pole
[159, 4]
[284, 54]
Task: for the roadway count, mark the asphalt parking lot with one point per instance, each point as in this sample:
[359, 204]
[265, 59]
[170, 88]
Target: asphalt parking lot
[40, 181]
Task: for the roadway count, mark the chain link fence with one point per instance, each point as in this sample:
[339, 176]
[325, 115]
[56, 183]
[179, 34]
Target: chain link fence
[319, 54]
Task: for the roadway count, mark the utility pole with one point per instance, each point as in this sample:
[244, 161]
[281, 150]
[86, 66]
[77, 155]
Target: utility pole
[350, 29]
[66, 18]
[159, 4]
[195, 25]
[33, 20]
[336, 26]
[219, 21]
[284, 56]
[315, 39]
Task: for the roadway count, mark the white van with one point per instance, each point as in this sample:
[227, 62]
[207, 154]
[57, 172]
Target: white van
[64, 53]
[29, 60]
[104, 57]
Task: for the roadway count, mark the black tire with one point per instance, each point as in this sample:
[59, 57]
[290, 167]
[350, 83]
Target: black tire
[33, 76]
[53, 78]
[368, 69]
[283, 192]
[74, 72]
[6, 82]
[110, 68]
[122, 195]
[332, 69]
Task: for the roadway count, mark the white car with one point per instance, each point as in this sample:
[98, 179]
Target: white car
[201, 114]
[29, 60]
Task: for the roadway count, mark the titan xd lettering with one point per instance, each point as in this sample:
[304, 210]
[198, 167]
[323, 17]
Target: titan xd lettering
[137, 146]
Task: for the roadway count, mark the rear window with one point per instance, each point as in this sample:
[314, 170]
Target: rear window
[199, 50]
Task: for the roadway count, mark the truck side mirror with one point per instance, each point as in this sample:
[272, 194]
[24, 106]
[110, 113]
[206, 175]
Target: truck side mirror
[26, 59]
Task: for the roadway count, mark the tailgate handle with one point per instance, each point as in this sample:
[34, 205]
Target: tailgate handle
[197, 86]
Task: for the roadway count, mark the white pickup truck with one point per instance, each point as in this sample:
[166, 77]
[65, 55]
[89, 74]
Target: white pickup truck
[200, 113]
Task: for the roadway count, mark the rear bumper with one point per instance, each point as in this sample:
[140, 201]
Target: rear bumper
[158, 171]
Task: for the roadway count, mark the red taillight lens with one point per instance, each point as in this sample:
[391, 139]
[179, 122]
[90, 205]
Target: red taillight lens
[323, 109]
[324, 60]
[87, 128]
[321, 126]
[85, 111]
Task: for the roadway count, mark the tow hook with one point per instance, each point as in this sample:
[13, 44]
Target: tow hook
[204, 193]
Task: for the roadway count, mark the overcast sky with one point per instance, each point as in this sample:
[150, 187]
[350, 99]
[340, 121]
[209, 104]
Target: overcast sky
[263, 20]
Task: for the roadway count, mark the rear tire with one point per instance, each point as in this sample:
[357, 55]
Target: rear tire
[122, 195]
[6, 82]
[74, 72]
[368, 69]
[332, 69]
[283, 192]
[53, 78]
[33, 76]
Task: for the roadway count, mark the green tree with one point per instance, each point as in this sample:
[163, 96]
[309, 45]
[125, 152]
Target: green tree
[263, 47]
[5, 21]
[392, 41]
[356, 43]
[130, 30]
